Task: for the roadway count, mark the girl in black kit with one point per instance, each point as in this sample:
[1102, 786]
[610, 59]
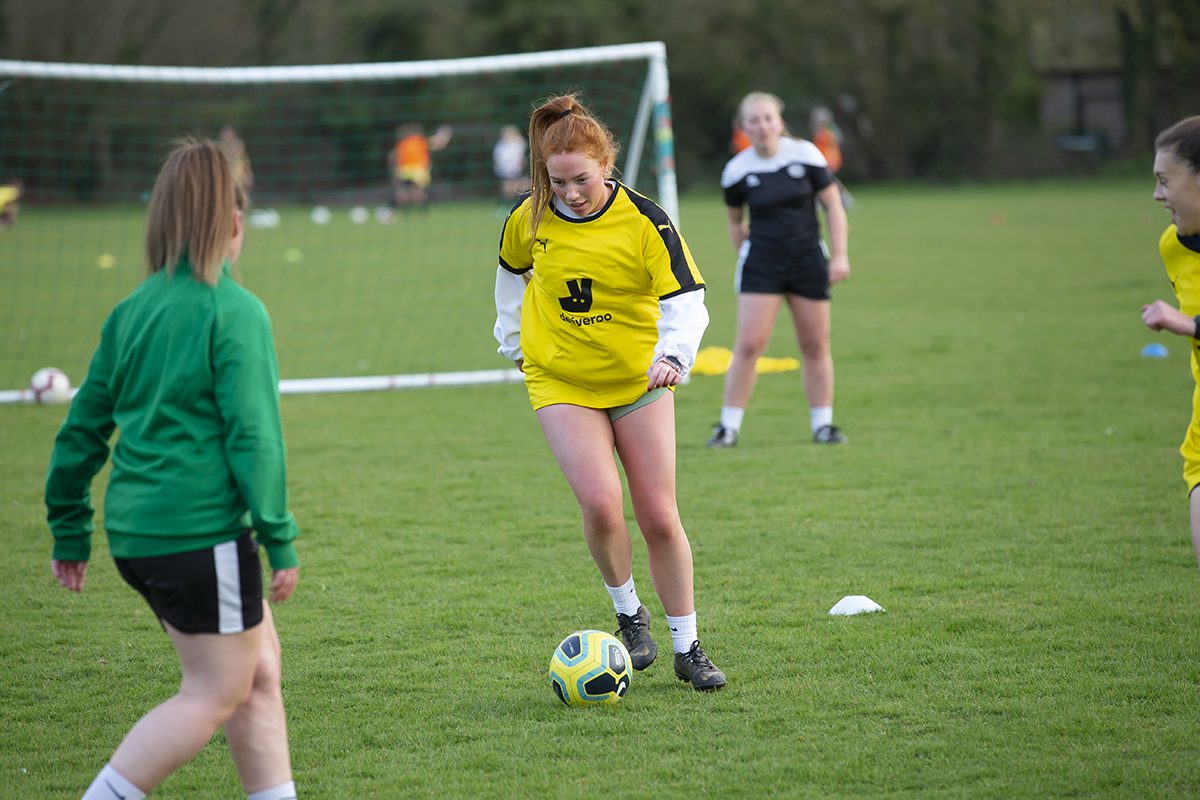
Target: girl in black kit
[781, 256]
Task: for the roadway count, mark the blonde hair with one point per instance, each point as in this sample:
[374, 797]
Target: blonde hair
[563, 125]
[191, 211]
[758, 97]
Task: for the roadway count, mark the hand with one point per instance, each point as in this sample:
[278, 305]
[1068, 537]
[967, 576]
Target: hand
[70, 574]
[283, 583]
[1162, 316]
[663, 373]
[839, 269]
[520, 362]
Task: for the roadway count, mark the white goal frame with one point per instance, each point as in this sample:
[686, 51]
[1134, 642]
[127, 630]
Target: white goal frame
[655, 103]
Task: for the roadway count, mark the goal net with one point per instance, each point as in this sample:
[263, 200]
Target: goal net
[376, 275]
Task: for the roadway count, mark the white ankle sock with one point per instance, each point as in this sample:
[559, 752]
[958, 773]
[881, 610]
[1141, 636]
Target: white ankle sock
[284, 791]
[820, 416]
[683, 631]
[731, 418]
[110, 785]
[624, 597]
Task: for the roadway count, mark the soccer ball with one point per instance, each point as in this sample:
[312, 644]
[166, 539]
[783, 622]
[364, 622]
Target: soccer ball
[320, 215]
[359, 215]
[590, 668]
[50, 386]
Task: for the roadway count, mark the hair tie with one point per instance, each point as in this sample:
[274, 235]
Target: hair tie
[566, 112]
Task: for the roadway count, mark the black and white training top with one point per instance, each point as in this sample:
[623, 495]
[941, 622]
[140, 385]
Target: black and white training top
[781, 193]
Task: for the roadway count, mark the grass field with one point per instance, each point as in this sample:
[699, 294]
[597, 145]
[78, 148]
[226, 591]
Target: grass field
[1010, 494]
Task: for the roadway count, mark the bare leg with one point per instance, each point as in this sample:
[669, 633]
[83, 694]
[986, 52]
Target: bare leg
[645, 440]
[257, 732]
[811, 318]
[756, 319]
[217, 674]
[582, 442]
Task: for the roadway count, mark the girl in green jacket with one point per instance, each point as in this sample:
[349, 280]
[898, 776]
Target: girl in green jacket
[186, 370]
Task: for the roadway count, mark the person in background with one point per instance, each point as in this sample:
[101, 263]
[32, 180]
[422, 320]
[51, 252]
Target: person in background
[599, 302]
[186, 371]
[1177, 187]
[738, 140]
[10, 203]
[509, 164]
[410, 162]
[781, 256]
[827, 136]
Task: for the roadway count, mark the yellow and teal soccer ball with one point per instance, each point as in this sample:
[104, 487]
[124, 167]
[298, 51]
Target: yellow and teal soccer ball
[590, 668]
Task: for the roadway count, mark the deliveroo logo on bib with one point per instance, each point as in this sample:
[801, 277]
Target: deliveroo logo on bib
[580, 299]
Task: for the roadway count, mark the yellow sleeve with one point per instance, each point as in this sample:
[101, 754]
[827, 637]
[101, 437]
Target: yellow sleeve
[516, 245]
[669, 261]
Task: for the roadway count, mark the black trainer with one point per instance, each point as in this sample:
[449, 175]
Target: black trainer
[723, 437]
[696, 667]
[829, 434]
[635, 633]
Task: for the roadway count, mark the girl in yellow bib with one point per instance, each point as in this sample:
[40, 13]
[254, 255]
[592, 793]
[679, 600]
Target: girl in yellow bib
[1177, 187]
[599, 302]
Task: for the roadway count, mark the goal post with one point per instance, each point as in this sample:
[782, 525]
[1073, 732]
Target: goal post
[361, 280]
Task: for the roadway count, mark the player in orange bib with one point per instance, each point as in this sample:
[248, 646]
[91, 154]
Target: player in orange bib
[411, 164]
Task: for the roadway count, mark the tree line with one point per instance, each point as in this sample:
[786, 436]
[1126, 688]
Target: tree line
[926, 89]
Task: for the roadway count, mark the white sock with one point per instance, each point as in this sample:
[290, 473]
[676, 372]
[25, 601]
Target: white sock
[110, 785]
[731, 418]
[820, 416]
[625, 598]
[683, 631]
[284, 791]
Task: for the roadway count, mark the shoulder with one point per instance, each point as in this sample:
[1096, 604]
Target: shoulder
[804, 151]
[1165, 240]
[645, 207]
[738, 167]
[236, 304]
[1176, 246]
[518, 214]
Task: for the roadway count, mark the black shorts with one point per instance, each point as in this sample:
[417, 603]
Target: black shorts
[765, 272]
[215, 590]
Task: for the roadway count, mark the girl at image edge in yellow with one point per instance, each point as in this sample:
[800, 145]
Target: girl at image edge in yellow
[1177, 187]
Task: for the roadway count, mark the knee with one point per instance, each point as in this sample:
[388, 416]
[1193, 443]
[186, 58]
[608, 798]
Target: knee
[814, 349]
[268, 675]
[750, 347]
[602, 508]
[660, 524]
[221, 702]
[603, 517]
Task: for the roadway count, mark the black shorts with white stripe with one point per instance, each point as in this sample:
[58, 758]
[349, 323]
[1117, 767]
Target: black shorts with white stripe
[215, 590]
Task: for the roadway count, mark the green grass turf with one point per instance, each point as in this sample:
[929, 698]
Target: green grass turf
[1010, 494]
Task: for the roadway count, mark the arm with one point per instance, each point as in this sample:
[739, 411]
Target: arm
[681, 325]
[739, 231]
[247, 392]
[510, 295]
[80, 450]
[839, 232]
[1162, 316]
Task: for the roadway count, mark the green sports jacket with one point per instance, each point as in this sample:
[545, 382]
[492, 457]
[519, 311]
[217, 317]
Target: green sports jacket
[187, 373]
